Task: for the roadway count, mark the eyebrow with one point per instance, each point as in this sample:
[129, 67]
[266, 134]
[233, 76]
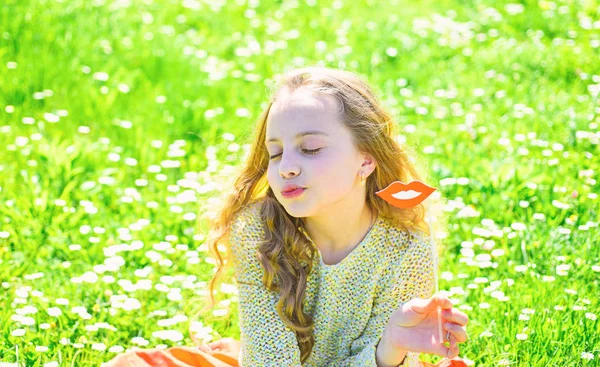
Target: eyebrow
[303, 133]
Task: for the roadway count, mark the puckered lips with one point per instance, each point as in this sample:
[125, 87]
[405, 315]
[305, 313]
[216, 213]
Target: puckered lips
[405, 196]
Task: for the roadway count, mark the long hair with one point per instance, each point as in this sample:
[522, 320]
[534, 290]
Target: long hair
[286, 255]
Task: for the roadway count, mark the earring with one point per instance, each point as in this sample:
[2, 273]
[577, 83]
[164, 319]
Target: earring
[362, 178]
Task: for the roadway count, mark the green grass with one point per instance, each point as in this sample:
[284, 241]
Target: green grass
[509, 101]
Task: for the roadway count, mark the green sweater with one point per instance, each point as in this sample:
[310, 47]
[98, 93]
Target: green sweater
[350, 301]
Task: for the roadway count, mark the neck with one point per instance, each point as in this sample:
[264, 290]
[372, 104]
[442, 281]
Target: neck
[339, 231]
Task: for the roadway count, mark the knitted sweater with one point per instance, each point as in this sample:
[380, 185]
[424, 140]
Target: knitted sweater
[350, 301]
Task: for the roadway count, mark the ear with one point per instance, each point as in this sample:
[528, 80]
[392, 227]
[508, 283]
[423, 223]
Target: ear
[368, 164]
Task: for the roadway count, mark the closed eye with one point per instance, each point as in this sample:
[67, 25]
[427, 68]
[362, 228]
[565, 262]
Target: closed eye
[309, 151]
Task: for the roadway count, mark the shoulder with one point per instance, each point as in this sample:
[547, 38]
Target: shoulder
[406, 246]
[246, 233]
[409, 271]
[248, 220]
[401, 240]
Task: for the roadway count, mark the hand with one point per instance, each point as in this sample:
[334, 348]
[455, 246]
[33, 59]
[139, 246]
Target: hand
[414, 327]
[225, 345]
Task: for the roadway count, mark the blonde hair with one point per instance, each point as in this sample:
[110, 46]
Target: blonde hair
[286, 255]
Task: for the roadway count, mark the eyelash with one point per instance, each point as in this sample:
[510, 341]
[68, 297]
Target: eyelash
[309, 151]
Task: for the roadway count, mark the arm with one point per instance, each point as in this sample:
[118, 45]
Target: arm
[265, 340]
[408, 274]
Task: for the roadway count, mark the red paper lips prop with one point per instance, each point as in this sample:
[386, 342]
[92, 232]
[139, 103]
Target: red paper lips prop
[405, 196]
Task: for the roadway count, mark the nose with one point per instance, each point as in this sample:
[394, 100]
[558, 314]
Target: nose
[288, 167]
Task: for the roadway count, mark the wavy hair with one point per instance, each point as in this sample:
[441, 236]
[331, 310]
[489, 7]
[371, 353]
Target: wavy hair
[285, 254]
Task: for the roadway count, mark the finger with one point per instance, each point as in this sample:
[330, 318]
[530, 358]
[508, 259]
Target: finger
[422, 305]
[453, 350]
[216, 344]
[448, 351]
[443, 301]
[204, 348]
[455, 316]
[457, 332]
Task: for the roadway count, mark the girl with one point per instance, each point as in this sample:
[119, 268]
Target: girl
[328, 273]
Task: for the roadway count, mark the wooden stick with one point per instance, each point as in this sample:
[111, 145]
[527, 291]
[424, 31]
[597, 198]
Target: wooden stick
[435, 269]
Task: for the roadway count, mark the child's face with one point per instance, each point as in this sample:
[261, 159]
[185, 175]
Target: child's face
[331, 174]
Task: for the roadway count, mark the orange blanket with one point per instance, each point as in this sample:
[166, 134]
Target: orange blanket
[173, 357]
[193, 357]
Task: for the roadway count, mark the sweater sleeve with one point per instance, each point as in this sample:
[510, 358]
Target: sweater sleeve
[265, 339]
[408, 274]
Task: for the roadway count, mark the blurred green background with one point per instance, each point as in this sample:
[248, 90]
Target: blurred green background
[119, 119]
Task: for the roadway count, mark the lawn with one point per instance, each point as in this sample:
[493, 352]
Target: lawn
[120, 120]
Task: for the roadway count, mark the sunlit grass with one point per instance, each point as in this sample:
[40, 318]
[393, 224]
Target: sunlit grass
[120, 119]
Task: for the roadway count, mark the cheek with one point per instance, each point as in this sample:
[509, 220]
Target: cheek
[321, 168]
[271, 175]
[334, 175]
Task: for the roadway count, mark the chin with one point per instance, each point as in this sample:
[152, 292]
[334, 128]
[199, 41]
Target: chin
[296, 210]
